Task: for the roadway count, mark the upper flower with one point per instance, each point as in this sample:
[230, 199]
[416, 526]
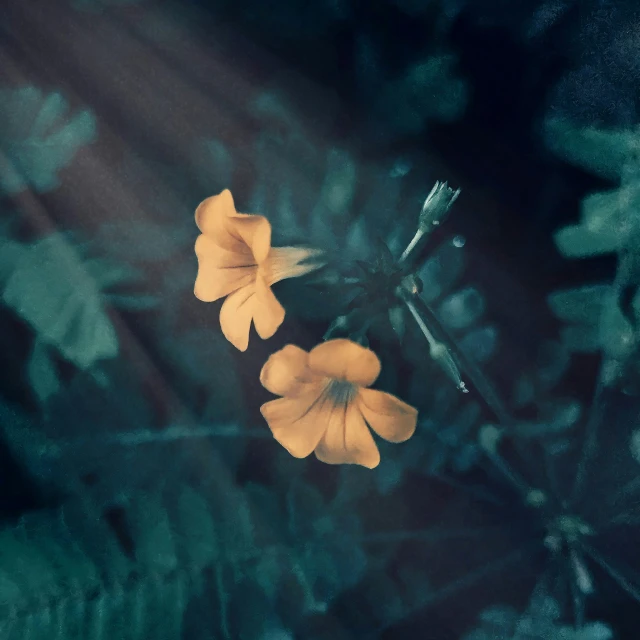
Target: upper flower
[235, 259]
[327, 405]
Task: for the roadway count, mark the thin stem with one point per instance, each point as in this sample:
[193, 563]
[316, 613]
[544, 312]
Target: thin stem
[428, 535]
[505, 470]
[170, 434]
[436, 334]
[477, 492]
[477, 377]
[437, 349]
[631, 589]
[412, 245]
[222, 596]
[577, 594]
[591, 438]
[631, 517]
[629, 488]
[473, 576]
[552, 477]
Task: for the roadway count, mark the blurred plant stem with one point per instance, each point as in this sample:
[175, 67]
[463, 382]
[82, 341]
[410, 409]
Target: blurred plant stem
[454, 361]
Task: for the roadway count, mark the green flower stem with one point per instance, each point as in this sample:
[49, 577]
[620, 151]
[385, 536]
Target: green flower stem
[438, 351]
[411, 247]
[420, 309]
[458, 361]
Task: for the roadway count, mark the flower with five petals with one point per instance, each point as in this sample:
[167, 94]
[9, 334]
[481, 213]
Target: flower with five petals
[236, 259]
[326, 403]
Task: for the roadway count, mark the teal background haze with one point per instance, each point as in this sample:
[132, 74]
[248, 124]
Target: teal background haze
[143, 495]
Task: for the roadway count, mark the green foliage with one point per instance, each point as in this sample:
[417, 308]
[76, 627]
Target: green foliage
[611, 219]
[428, 89]
[599, 151]
[541, 621]
[602, 317]
[318, 541]
[146, 569]
[66, 572]
[52, 289]
[596, 323]
[35, 141]
[61, 295]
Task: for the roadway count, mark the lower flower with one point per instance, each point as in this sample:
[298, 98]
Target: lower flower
[326, 405]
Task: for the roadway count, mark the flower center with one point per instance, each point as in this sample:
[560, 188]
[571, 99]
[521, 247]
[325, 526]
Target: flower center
[341, 392]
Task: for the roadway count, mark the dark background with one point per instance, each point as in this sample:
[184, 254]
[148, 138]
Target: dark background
[520, 61]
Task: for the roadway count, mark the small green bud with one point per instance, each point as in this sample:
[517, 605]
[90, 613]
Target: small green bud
[437, 205]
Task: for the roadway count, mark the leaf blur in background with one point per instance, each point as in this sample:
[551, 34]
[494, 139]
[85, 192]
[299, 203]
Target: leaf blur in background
[143, 494]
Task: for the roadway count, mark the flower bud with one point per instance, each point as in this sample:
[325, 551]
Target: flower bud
[437, 205]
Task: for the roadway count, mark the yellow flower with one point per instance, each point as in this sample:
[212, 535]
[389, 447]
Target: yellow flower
[327, 405]
[235, 259]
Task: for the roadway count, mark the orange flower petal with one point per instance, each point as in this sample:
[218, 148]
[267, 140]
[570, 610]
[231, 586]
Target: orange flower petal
[220, 272]
[268, 313]
[235, 316]
[347, 439]
[286, 372]
[347, 360]
[255, 232]
[297, 423]
[390, 417]
[217, 218]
